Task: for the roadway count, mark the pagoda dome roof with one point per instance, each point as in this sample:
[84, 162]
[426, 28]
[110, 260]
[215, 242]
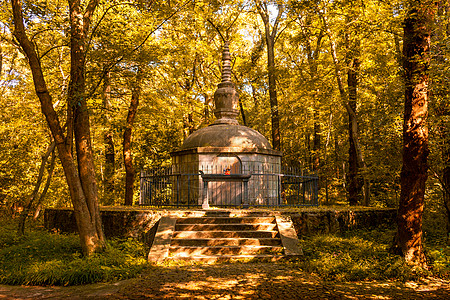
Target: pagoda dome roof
[227, 136]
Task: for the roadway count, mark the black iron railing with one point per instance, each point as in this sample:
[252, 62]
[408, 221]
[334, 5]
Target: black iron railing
[161, 188]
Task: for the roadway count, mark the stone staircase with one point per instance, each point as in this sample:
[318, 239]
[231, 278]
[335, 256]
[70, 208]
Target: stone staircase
[212, 236]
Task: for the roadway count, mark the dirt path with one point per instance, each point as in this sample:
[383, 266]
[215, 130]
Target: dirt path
[234, 281]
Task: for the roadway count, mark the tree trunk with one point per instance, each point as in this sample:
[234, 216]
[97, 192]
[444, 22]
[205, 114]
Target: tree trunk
[353, 122]
[1, 58]
[446, 182]
[47, 185]
[241, 108]
[276, 138]
[416, 52]
[327, 202]
[79, 25]
[445, 136]
[110, 168]
[127, 154]
[308, 150]
[354, 187]
[31, 201]
[108, 140]
[81, 182]
[316, 143]
[313, 58]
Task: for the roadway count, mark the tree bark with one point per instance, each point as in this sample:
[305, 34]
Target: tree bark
[416, 52]
[82, 186]
[127, 153]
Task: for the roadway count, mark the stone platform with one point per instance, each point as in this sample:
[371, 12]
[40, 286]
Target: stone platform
[142, 223]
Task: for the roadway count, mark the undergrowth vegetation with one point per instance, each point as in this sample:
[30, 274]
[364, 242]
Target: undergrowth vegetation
[364, 255]
[43, 258]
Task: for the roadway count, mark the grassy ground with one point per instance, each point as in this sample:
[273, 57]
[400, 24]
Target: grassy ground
[42, 258]
[363, 255]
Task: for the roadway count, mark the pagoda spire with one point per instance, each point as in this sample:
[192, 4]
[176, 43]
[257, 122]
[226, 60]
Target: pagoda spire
[226, 63]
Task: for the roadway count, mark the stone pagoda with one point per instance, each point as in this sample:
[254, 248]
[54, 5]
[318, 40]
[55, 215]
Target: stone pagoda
[227, 148]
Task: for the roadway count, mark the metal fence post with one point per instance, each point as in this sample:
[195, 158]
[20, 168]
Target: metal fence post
[205, 203]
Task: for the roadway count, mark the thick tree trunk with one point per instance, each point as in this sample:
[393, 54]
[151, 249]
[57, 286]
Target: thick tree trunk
[79, 25]
[127, 153]
[416, 51]
[84, 202]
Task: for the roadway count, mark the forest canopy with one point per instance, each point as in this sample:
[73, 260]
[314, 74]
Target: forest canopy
[336, 66]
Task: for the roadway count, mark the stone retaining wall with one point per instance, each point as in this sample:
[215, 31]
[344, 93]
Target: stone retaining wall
[333, 221]
[116, 223]
[140, 224]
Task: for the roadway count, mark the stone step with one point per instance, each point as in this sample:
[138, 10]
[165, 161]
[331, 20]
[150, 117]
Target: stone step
[224, 234]
[219, 238]
[225, 220]
[227, 242]
[223, 250]
[230, 258]
[225, 227]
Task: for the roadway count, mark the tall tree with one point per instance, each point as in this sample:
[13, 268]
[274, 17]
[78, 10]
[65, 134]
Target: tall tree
[127, 154]
[79, 171]
[348, 100]
[271, 32]
[352, 63]
[108, 138]
[440, 104]
[416, 51]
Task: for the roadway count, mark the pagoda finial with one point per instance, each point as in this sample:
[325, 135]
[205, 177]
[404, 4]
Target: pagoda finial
[226, 98]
